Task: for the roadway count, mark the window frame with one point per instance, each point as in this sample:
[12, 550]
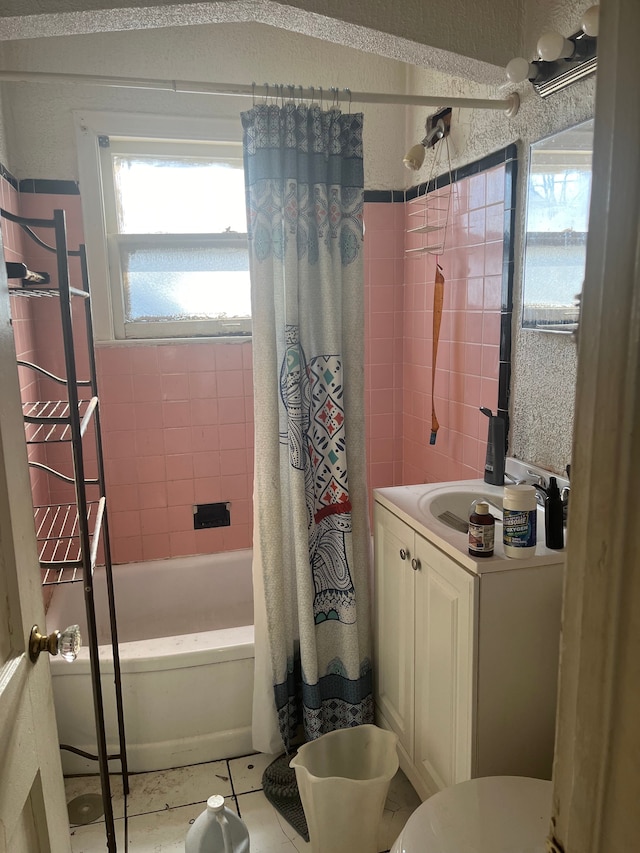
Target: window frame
[153, 134]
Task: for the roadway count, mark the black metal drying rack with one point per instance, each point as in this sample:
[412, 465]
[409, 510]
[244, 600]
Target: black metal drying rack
[69, 535]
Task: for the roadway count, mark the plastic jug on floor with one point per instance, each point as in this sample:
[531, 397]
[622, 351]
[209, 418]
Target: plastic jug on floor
[343, 778]
[217, 830]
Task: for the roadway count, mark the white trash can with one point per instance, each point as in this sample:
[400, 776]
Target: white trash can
[343, 778]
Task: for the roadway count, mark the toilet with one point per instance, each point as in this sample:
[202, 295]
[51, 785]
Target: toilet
[494, 814]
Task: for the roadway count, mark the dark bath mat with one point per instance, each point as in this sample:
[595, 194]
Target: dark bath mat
[281, 789]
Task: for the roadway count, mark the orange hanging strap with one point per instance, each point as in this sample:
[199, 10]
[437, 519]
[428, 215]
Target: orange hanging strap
[438, 299]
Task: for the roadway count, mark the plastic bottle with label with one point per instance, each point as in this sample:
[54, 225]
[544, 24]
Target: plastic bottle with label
[519, 524]
[481, 531]
[217, 830]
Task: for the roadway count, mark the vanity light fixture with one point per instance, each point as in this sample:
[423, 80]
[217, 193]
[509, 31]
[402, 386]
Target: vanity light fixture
[561, 61]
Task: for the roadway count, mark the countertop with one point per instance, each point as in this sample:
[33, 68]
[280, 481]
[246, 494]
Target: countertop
[405, 502]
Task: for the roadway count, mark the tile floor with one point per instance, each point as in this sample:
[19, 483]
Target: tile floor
[162, 804]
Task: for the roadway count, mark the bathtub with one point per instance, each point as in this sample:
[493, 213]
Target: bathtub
[186, 655]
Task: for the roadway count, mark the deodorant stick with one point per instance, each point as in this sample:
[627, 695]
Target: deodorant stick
[520, 512]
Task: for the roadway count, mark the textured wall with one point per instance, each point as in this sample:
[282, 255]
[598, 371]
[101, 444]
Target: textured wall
[544, 365]
[238, 53]
[4, 153]
[490, 33]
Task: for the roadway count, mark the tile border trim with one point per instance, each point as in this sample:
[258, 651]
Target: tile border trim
[49, 187]
[496, 158]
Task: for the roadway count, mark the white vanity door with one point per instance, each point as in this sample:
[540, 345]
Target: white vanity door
[444, 628]
[394, 627]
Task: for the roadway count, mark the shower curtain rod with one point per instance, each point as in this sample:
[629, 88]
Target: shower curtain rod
[509, 105]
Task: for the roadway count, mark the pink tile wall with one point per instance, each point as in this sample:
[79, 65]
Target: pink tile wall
[178, 430]
[383, 276]
[466, 375]
[48, 332]
[177, 424]
[177, 419]
[24, 332]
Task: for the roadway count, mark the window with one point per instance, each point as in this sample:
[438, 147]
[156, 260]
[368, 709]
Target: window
[175, 229]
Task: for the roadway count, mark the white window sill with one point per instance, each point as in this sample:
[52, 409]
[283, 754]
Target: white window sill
[137, 342]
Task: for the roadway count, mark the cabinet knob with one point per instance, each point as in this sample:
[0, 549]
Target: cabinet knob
[415, 564]
[404, 554]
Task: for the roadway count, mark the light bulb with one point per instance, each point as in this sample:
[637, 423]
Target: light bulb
[519, 70]
[553, 45]
[591, 21]
[414, 158]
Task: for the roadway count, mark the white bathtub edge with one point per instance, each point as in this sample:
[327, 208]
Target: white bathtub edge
[209, 647]
[181, 752]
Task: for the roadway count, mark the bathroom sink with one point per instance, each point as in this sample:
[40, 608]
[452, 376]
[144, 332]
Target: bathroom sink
[439, 512]
[453, 506]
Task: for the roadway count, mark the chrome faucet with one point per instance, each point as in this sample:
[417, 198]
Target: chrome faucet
[537, 479]
[513, 479]
[533, 479]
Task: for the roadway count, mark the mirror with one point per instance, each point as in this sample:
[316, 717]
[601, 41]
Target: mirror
[558, 194]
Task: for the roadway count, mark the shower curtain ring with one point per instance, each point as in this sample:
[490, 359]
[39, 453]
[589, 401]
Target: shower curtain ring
[292, 92]
[266, 92]
[321, 104]
[253, 93]
[348, 94]
[301, 94]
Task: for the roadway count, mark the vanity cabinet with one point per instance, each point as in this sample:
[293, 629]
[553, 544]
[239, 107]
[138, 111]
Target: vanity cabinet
[466, 661]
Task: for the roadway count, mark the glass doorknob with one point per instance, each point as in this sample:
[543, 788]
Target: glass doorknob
[66, 643]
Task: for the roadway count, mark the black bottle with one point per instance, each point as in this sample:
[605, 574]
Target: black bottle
[494, 462]
[553, 516]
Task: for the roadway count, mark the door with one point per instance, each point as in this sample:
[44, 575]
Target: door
[393, 631]
[443, 667]
[33, 815]
[596, 778]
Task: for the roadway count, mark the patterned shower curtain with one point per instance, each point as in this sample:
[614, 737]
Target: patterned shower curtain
[304, 178]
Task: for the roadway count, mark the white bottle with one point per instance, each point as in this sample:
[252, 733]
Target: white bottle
[520, 512]
[217, 830]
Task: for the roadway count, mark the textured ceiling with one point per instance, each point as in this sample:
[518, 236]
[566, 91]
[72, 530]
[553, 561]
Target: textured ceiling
[470, 38]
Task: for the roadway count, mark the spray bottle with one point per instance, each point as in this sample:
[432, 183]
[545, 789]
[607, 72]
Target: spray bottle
[553, 515]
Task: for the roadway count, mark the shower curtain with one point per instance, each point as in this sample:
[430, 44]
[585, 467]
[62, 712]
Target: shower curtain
[304, 178]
